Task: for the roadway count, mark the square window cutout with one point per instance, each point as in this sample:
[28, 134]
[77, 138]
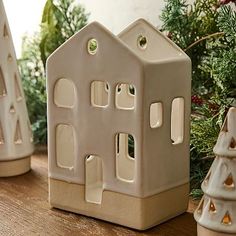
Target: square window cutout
[125, 96]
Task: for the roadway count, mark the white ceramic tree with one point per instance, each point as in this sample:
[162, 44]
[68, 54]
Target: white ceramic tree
[216, 213]
[16, 141]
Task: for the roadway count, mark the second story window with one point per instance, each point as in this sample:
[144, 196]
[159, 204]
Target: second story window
[125, 96]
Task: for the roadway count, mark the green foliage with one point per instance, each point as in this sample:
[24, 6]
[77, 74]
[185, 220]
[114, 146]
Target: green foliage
[206, 31]
[33, 77]
[61, 19]
[187, 24]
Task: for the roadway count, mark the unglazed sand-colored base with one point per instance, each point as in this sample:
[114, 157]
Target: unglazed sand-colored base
[133, 212]
[202, 231]
[15, 167]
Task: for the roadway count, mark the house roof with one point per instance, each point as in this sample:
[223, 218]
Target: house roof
[158, 48]
[108, 43]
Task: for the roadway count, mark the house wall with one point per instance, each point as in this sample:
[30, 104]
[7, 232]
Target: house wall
[165, 165]
[95, 128]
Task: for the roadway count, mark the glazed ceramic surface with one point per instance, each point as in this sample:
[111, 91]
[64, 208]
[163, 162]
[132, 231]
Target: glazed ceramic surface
[16, 140]
[118, 115]
[216, 211]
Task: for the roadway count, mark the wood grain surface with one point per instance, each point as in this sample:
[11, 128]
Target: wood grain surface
[24, 210]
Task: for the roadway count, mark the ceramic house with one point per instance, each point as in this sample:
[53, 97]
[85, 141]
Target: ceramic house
[216, 212]
[16, 141]
[118, 114]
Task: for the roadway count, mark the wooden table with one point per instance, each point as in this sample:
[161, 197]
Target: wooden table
[24, 210]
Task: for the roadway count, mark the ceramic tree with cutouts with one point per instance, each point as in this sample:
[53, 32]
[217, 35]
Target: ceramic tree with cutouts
[118, 115]
[16, 141]
[216, 213]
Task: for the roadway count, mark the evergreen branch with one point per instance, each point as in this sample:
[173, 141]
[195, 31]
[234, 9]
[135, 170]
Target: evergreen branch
[218, 34]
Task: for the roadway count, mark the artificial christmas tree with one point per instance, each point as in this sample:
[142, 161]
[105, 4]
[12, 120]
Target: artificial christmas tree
[16, 141]
[216, 214]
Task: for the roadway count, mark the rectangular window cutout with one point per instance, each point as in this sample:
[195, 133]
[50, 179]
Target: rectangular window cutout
[65, 146]
[99, 94]
[125, 157]
[93, 179]
[177, 121]
[156, 115]
[3, 91]
[125, 96]
[64, 93]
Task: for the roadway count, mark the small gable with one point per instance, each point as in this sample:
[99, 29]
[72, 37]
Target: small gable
[149, 43]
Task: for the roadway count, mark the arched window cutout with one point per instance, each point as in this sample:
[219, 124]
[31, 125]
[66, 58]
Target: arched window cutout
[125, 157]
[18, 135]
[226, 219]
[17, 89]
[156, 115]
[125, 96]
[93, 179]
[229, 182]
[1, 135]
[64, 93]
[212, 207]
[5, 31]
[177, 121]
[99, 94]
[12, 109]
[65, 146]
[3, 91]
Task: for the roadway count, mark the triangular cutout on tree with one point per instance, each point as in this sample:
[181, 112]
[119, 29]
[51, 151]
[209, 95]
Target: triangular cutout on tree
[206, 180]
[232, 144]
[5, 31]
[3, 90]
[12, 109]
[17, 89]
[18, 136]
[212, 207]
[9, 58]
[229, 182]
[1, 135]
[200, 206]
[226, 219]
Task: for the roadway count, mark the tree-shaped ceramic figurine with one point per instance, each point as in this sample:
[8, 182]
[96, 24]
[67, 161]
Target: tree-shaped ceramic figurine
[16, 141]
[216, 213]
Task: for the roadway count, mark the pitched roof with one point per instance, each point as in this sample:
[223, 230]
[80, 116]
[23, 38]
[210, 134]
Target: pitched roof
[158, 48]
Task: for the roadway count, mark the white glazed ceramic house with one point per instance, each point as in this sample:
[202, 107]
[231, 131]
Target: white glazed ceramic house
[216, 214]
[15, 132]
[118, 115]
